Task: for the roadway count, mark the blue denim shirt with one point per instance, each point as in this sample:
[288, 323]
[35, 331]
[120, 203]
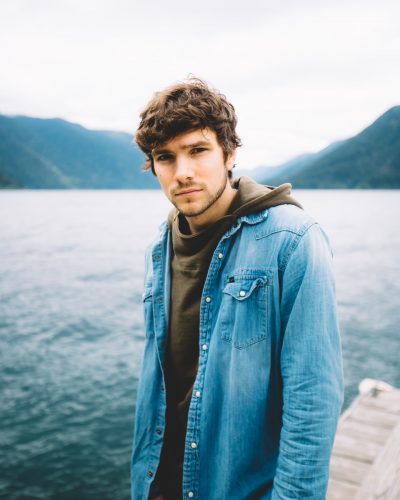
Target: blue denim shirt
[269, 389]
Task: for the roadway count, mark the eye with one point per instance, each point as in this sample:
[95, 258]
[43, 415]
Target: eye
[164, 157]
[198, 150]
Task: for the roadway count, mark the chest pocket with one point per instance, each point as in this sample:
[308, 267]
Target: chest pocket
[147, 298]
[244, 310]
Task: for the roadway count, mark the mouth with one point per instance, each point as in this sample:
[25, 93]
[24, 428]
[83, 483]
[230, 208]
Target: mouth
[188, 192]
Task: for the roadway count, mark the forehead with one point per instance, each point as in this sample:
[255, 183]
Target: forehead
[189, 139]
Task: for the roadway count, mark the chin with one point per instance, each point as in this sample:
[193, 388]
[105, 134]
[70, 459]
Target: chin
[189, 210]
[189, 213]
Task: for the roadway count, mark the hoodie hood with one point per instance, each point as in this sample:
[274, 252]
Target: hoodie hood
[250, 198]
[253, 197]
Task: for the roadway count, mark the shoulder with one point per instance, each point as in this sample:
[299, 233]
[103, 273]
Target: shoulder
[287, 218]
[297, 232]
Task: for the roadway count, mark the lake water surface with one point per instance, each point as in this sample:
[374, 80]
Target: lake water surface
[71, 328]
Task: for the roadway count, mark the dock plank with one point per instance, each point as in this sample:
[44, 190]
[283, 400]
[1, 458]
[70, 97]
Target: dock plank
[348, 445]
[368, 414]
[338, 490]
[383, 479]
[348, 470]
[365, 461]
[387, 402]
[364, 431]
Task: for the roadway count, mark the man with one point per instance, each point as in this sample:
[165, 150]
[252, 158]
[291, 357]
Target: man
[241, 381]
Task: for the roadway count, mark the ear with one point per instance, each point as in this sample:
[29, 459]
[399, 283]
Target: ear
[231, 160]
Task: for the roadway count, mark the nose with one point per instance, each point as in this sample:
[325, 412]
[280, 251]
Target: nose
[183, 169]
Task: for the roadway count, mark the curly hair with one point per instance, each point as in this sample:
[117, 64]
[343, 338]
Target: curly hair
[183, 107]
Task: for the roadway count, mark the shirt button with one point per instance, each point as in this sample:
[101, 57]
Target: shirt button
[193, 445]
[242, 293]
[208, 299]
[150, 473]
[190, 494]
[220, 255]
[159, 431]
[204, 347]
[198, 394]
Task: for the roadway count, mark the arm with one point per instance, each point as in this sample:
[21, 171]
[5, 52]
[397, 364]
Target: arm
[311, 370]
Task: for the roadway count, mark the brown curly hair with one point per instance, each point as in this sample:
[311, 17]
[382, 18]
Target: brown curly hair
[182, 107]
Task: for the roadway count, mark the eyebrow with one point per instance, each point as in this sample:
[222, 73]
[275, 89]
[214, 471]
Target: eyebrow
[196, 144]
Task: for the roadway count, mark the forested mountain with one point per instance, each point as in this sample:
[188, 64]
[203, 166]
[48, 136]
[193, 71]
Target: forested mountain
[371, 159]
[53, 153]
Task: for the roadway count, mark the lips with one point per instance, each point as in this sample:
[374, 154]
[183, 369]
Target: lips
[188, 191]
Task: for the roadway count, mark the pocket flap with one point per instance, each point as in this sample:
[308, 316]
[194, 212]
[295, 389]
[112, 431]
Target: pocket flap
[241, 290]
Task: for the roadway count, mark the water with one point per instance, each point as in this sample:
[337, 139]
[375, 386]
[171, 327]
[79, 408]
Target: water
[71, 329]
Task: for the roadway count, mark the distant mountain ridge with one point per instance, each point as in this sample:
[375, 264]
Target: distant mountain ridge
[53, 153]
[371, 159]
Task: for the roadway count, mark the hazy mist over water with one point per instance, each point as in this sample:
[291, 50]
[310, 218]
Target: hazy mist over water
[71, 327]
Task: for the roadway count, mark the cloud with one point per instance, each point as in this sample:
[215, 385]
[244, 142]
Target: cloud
[300, 74]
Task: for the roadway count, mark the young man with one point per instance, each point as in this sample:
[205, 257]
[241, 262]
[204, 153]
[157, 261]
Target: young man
[241, 381]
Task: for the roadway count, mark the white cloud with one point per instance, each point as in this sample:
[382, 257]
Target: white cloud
[300, 75]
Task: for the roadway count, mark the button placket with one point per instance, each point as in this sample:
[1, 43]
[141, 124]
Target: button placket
[204, 347]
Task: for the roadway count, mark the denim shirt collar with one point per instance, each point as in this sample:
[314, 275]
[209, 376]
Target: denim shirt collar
[250, 219]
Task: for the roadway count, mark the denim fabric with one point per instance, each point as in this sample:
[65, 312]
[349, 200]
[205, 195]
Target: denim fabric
[269, 388]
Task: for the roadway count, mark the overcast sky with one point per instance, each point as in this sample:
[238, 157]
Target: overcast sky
[301, 74]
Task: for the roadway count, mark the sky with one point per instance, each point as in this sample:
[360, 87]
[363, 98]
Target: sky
[301, 74]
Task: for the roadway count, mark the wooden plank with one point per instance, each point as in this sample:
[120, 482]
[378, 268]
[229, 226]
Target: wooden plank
[364, 431]
[393, 493]
[347, 470]
[360, 448]
[365, 462]
[338, 490]
[362, 413]
[384, 401]
[383, 480]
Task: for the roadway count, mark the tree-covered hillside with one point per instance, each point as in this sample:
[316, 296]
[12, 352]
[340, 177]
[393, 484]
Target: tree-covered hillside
[371, 159]
[53, 153]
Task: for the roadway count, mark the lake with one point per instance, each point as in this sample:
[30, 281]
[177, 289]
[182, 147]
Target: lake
[71, 327]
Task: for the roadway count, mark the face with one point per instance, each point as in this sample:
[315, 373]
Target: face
[194, 176]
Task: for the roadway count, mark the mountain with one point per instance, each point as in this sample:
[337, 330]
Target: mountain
[53, 153]
[286, 170]
[370, 160]
[257, 173]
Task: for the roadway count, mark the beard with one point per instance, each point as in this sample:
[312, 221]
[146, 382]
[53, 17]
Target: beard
[193, 212]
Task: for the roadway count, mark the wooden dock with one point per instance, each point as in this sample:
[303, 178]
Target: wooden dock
[365, 463]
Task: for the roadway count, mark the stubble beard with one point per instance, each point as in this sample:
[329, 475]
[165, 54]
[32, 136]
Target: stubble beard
[208, 203]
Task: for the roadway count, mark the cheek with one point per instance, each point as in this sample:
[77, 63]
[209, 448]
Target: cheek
[165, 182]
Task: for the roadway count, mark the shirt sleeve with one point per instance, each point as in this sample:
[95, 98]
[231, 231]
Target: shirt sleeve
[311, 370]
